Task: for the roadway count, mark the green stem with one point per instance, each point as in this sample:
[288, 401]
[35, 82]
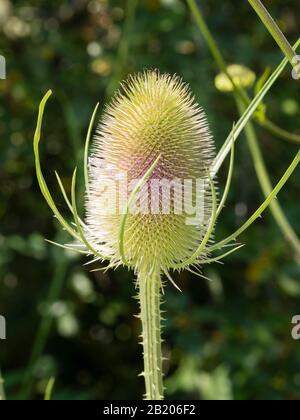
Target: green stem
[208, 36]
[49, 389]
[123, 49]
[274, 29]
[149, 296]
[261, 208]
[45, 325]
[267, 124]
[239, 126]
[220, 61]
[2, 391]
[266, 185]
[280, 132]
[242, 100]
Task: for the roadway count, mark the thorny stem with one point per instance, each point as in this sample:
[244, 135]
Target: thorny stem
[149, 285]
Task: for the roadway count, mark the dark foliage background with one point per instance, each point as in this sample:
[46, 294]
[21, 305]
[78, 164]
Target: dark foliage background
[226, 339]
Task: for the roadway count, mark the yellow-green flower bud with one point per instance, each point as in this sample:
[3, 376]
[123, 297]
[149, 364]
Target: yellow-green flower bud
[241, 76]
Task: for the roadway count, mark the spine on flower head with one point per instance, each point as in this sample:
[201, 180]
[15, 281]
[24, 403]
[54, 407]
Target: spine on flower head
[152, 115]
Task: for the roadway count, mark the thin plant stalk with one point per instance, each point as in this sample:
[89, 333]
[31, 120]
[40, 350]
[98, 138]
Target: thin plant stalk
[280, 132]
[43, 330]
[260, 167]
[266, 186]
[2, 390]
[295, 162]
[49, 389]
[220, 61]
[200, 21]
[267, 124]
[274, 29]
[239, 126]
[123, 50]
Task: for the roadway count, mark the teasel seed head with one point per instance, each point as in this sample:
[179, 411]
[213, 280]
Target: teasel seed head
[152, 116]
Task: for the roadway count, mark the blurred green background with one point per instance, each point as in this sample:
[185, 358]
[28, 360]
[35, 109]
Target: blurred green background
[226, 339]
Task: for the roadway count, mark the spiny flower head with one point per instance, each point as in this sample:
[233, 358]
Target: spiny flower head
[153, 116]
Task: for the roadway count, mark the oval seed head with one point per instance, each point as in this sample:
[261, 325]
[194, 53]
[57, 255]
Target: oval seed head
[152, 115]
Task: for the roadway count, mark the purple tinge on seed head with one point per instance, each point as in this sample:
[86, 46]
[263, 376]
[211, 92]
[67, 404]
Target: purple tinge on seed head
[152, 114]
